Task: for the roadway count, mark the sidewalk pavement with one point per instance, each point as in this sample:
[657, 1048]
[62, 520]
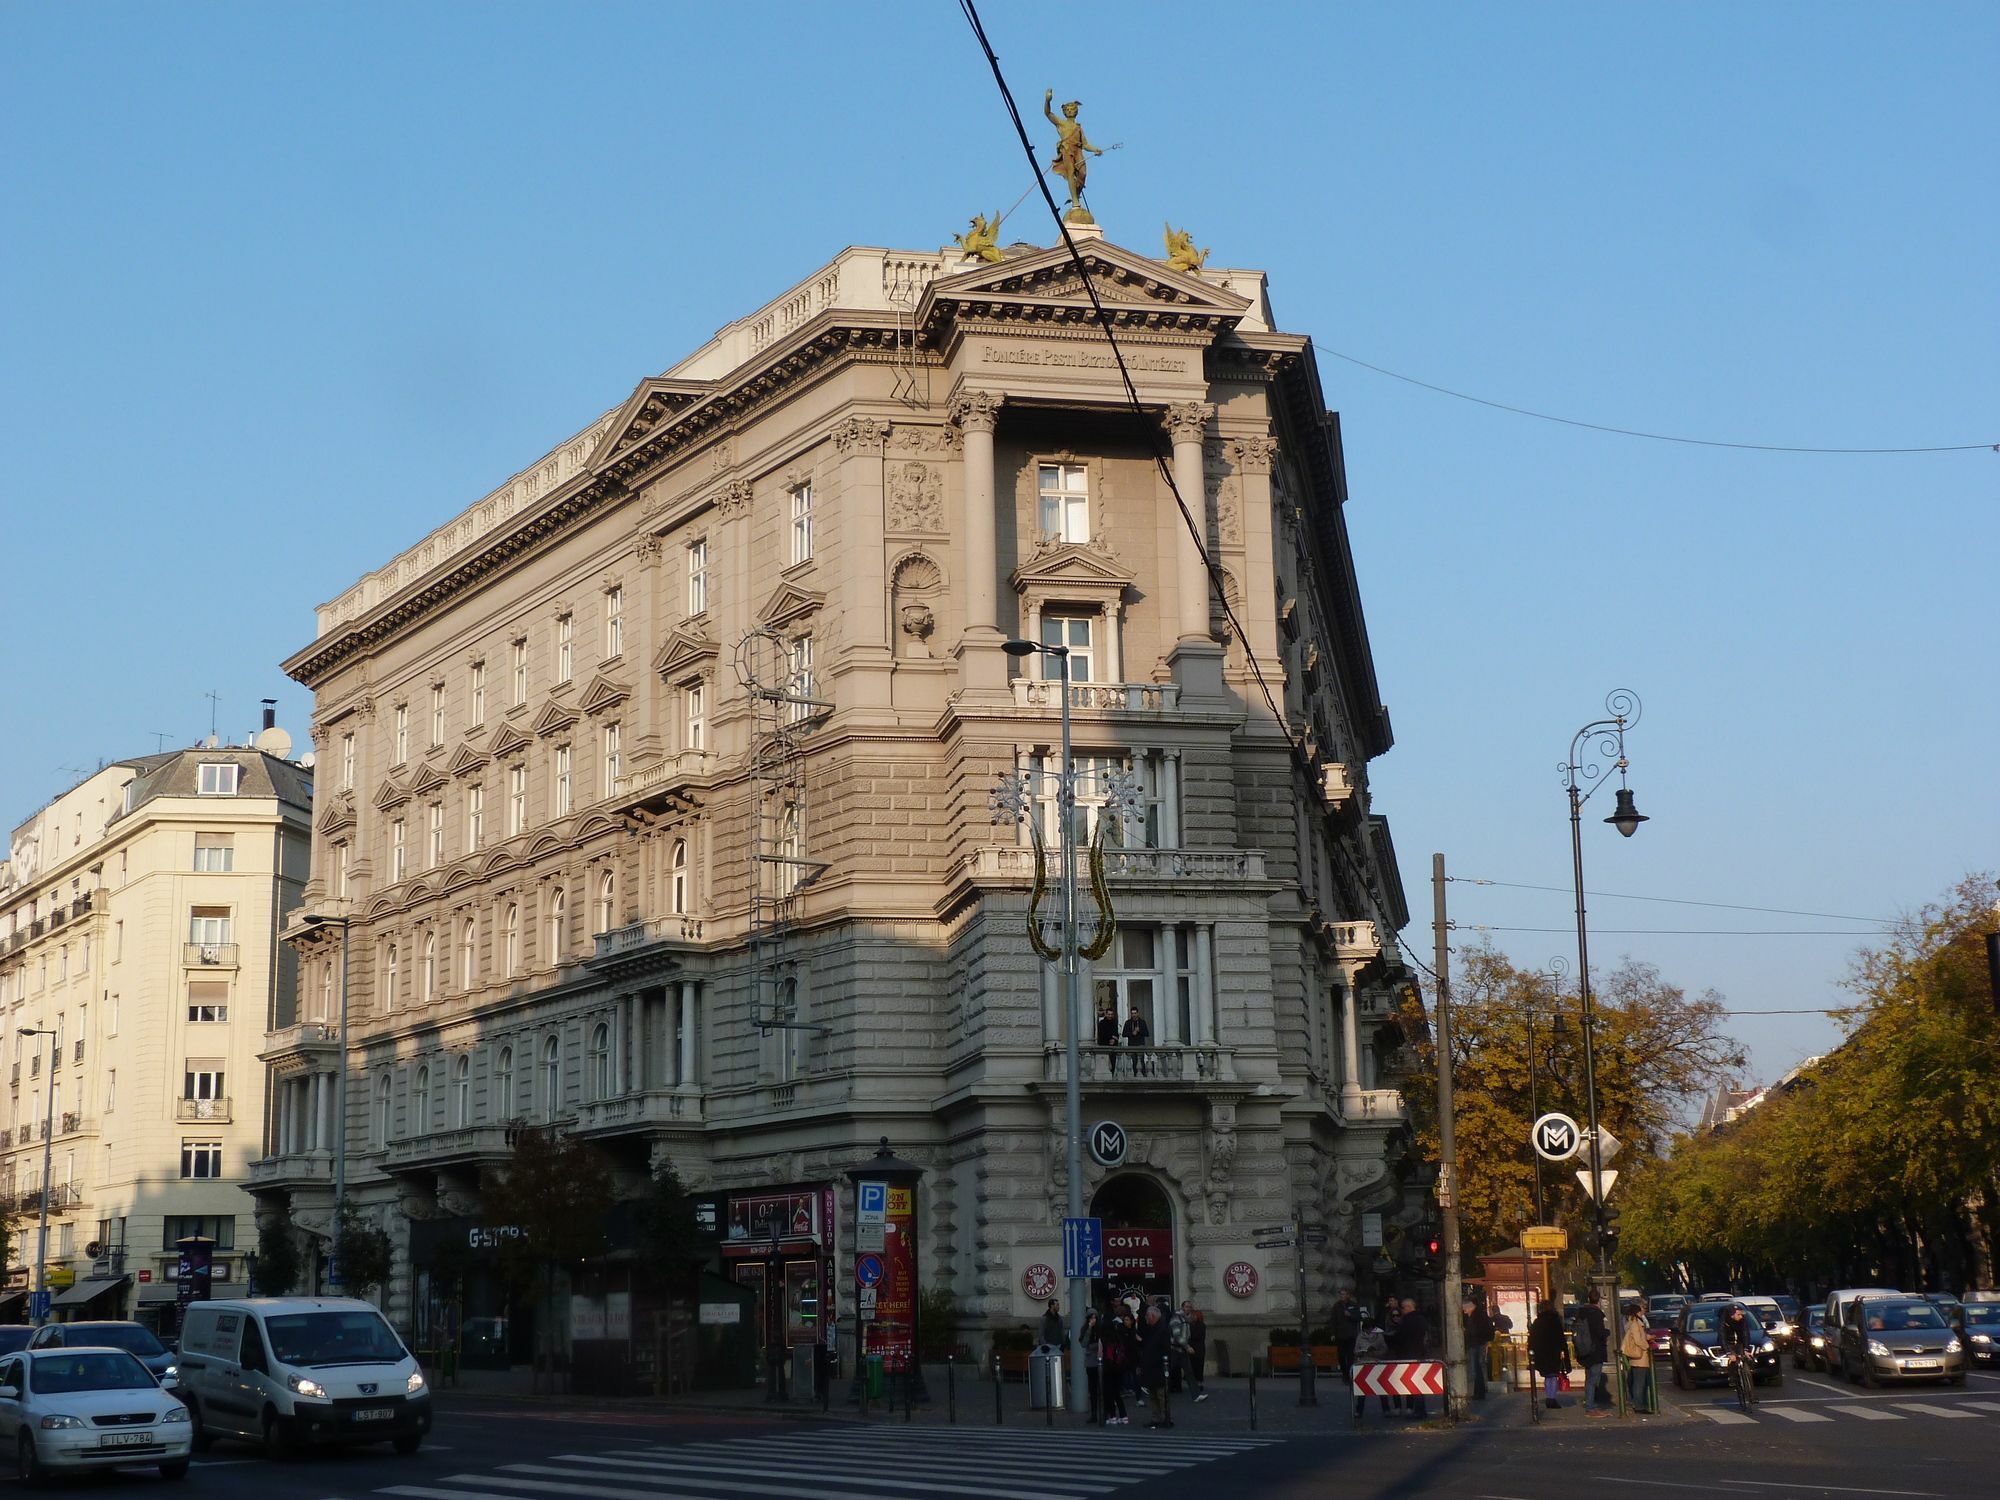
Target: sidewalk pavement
[957, 1398]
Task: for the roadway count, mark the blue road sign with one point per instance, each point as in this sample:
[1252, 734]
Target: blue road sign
[874, 1200]
[1083, 1249]
[38, 1304]
[868, 1269]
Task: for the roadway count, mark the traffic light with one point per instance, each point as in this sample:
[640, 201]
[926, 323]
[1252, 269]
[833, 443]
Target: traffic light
[1434, 1256]
[1607, 1223]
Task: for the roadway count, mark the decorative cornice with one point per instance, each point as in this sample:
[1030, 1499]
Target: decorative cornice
[976, 411]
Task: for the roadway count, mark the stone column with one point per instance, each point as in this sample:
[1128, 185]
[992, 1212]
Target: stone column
[686, 1069]
[643, 608]
[635, 1067]
[981, 664]
[868, 643]
[1350, 1046]
[1205, 1029]
[1196, 658]
[1258, 609]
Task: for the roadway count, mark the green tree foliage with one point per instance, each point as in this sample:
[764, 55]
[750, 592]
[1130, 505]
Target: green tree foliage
[1880, 1163]
[366, 1256]
[278, 1259]
[670, 1241]
[550, 1204]
[1657, 1050]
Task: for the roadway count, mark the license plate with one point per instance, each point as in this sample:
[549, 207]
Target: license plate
[1923, 1364]
[125, 1439]
[375, 1414]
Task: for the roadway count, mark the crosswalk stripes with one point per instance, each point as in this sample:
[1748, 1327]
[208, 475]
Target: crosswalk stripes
[1798, 1414]
[1932, 1409]
[1897, 1411]
[1870, 1414]
[883, 1463]
[1982, 1405]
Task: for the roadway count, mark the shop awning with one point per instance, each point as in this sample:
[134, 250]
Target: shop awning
[90, 1290]
[10, 1303]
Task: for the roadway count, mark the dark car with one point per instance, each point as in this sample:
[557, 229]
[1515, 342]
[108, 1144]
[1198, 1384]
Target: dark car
[1789, 1305]
[1981, 1332]
[1895, 1339]
[135, 1338]
[1697, 1351]
[1809, 1343]
[1660, 1335]
[14, 1337]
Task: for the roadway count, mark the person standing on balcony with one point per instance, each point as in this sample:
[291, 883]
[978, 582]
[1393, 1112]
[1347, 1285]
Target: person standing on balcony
[1139, 1037]
[1107, 1031]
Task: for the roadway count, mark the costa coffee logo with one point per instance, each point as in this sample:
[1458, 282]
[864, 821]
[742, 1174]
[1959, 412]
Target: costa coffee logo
[1039, 1282]
[1240, 1279]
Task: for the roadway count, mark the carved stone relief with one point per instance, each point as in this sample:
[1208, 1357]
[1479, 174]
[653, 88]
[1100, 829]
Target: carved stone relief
[915, 497]
[915, 588]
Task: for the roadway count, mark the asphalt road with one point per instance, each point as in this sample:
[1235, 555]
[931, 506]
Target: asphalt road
[1810, 1437]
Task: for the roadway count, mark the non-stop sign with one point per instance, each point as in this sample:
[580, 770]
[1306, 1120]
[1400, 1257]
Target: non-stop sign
[1555, 1137]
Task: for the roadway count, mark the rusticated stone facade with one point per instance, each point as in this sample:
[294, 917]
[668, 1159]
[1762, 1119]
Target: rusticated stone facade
[546, 780]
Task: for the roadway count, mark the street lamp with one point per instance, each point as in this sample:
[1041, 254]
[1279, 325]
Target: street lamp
[1595, 750]
[48, 1152]
[315, 920]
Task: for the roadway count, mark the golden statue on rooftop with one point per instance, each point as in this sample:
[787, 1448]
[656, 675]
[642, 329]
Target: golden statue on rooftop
[1181, 253]
[981, 241]
[1071, 144]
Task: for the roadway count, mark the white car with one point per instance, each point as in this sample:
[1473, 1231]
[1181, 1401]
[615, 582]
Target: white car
[64, 1411]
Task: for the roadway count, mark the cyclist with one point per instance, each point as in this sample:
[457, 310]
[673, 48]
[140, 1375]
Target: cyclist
[1742, 1336]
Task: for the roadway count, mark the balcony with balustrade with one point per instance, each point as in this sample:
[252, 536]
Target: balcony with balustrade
[301, 1046]
[209, 956]
[467, 1145]
[651, 1109]
[659, 783]
[655, 943]
[1169, 1067]
[196, 1111]
[292, 1169]
[1097, 699]
[1012, 865]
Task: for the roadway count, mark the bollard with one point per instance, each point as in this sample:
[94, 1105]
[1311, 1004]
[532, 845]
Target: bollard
[950, 1390]
[996, 1387]
[825, 1383]
[910, 1389]
[1253, 1397]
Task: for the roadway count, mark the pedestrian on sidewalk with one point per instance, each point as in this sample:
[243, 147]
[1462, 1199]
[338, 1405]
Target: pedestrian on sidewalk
[1118, 1359]
[1411, 1340]
[1053, 1334]
[1346, 1322]
[1197, 1350]
[1637, 1347]
[1478, 1340]
[1092, 1340]
[1548, 1353]
[1155, 1355]
[1593, 1350]
[1370, 1345]
[1179, 1331]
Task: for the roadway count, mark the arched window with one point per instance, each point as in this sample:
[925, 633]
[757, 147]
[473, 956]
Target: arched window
[551, 1077]
[326, 990]
[461, 1092]
[600, 1061]
[390, 976]
[510, 943]
[607, 901]
[503, 1085]
[680, 876]
[430, 968]
[420, 1101]
[382, 1109]
[558, 915]
[468, 954]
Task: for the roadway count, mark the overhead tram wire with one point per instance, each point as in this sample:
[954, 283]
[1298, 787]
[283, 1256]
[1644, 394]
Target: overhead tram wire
[1772, 911]
[1147, 427]
[1682, 931]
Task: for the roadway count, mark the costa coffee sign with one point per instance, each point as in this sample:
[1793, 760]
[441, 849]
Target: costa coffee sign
[1139, 1252]
[1240, 1279]
[1039, 1282]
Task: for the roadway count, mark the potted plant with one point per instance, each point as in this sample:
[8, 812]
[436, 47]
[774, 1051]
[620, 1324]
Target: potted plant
[1013, 1346]
[1284, 1351]
[1325, 1352]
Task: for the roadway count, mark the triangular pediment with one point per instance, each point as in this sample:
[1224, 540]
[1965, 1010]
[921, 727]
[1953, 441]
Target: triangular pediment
[428, 779]
[1123, 280]
[390, 793]
[603, 693]
[554, 718]
[464, 761]
[789, 602]
[684, 654]
[339, 813]
[1072, 565]
[656, 400]
[509, 741]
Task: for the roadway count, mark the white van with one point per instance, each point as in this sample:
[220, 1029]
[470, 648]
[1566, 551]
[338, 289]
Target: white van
[295, 1371]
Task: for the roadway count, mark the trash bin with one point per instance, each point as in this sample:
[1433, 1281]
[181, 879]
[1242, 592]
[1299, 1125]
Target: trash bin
[876, 1384]
[1045, 1379]
[803, 1367]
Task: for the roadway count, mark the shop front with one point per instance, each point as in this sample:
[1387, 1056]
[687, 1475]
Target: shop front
[776, 1245]
[1138, 1221]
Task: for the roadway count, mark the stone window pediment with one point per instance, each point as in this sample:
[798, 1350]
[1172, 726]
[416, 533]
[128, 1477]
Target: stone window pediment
[790, 603]
[427, 779]
[509, 741]
[603, 693]
[390, 794]
[464, 761]
[553, 719]
[1072, 569]
[685, 654]
[339, 813]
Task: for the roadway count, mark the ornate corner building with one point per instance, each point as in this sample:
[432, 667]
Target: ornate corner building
[656, 787]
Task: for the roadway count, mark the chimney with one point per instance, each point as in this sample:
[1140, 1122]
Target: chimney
[270, 713]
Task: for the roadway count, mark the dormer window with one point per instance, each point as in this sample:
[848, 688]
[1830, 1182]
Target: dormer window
[1065, 501]
[215, 779]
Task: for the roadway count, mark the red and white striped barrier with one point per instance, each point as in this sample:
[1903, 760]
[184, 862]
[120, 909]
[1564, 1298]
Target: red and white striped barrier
[1403, 1377]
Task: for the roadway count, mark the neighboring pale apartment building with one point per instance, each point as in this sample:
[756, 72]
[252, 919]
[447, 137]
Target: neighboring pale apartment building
[655, 785]
[138, 923]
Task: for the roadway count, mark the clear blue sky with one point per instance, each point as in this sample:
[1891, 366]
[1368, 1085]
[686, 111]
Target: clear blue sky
[281, 287]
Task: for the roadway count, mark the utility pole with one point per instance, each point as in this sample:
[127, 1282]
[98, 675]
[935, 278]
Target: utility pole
[1456, 1388]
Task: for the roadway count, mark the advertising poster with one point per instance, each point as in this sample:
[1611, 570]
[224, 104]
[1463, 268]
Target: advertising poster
[892, 1331]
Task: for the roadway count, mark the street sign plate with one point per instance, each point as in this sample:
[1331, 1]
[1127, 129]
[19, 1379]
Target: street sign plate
[1555, 1137]
[38, 1305]
[1544, 1237]
[1610, 1181]
[1607, 1146]
[1272, 1229]
[1313, 1239]
[1083, 1249]
[873, 1237]
[1274, 1244]
[1371, 1231]
[872, 1202]
[1107, 1143]
[868, 1269]
[865, 1299]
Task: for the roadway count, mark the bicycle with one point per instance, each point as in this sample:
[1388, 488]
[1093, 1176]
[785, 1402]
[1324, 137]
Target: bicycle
[1744, 1378]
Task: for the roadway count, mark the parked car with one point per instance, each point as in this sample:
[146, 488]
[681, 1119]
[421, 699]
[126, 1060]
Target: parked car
[1838, 1303]
[1809, 1342]
[1697, 1348]
[287, 1371]
[1981, 1332]
[70, 1409]
[135, 1339]
[1897, 1338]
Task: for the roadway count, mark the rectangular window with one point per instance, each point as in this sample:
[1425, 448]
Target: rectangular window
[118, 942]
[1127, 981]
[437, 714]
[208, 926]
[399, 850]
[565, 780]
[214, 853]
[201, 1159]
[475, 818]
[697, 556]
[476, 691]
[340, 870]
[436, 845]
[565, 647]
[207, 1002]
[110, 1090]
[517, 799]
[202, 1079]
[1074, 632]
[614, 622]
[614, 760]
[178, 1227]
[347, 762]
[694, 716]
[217, 780]
[1065, 501]
[802, 523]
[402, 734]
[800, 687]
[520, 673]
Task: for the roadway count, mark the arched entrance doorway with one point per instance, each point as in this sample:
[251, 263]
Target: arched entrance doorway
[1138, 1236]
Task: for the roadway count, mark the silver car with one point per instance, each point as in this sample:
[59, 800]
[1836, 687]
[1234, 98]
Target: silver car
[1889, 1340]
